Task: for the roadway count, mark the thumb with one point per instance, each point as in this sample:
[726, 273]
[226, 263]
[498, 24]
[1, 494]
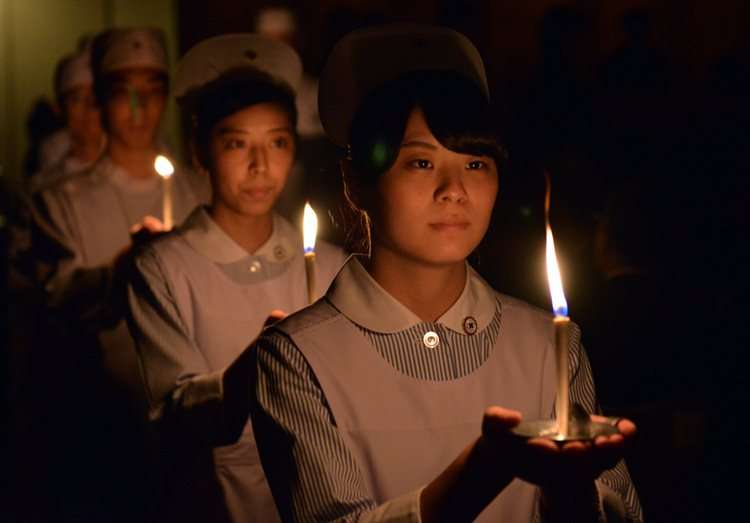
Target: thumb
[498, 421]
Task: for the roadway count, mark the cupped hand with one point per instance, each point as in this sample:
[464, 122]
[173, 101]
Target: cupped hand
[547, 463]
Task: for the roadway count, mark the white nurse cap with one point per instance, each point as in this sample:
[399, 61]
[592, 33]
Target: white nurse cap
[219, 55]
[129, 48]
[368, 58]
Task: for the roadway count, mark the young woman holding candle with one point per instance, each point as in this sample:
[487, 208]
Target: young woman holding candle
[201, 294]
[84, 224]
[369, 405]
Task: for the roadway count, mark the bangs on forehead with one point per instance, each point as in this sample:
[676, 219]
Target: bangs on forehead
[455, 110]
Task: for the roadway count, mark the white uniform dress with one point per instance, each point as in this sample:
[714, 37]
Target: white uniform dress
[61, 169]
[197, 302]
[359, 403]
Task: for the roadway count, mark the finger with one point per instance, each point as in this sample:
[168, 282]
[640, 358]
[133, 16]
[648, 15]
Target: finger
[544, 445]
[277, 314]
[152, 223]
[498, 421]
[623, 425]
[502, 415]
[576, 447]
[627, 428]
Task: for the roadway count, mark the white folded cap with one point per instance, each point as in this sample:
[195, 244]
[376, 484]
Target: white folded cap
[73, 71]
[130, 48]
[216, 56]
[366, 59]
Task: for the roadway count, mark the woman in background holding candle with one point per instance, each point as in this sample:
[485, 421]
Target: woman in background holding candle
[368, 405]
[201, 294]
[86, 243]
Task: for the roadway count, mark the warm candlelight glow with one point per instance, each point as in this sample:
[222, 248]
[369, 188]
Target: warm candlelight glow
[559, 305]
[163, 166]
[561, 325]
[309, 228]
[165, 169]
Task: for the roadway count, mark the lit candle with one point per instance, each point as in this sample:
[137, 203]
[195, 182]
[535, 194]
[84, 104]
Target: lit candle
[309, 233]
[165, 169]
[562, 325]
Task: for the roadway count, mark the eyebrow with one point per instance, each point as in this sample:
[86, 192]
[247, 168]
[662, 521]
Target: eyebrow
[236, 130]
[418, 143]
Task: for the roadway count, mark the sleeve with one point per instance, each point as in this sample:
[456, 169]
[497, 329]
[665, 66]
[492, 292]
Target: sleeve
[618, 500]
[312, 473]
[86, 294]
[186, 397]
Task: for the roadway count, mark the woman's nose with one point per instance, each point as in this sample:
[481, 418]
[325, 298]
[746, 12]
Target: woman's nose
[451, 189]
[258, 162]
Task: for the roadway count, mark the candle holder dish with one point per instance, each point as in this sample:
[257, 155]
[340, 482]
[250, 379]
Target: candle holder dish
[580, 428]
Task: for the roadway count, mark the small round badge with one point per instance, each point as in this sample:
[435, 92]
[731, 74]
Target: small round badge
[431, 339]
[279, 252]
[470, 325]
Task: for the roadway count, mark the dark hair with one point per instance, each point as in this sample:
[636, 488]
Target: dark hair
[456, 111]
[232, 92]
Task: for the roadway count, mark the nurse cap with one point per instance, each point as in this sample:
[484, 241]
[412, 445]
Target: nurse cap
[214, 57]
[368, 58]
[128, 48]
[72, 71]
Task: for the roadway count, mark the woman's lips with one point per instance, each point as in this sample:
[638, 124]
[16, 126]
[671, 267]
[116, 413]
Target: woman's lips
[257, 193]
[450, 226]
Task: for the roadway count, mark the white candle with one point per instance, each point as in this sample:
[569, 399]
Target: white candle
[165, 169]
[309, 235]
[562, 326]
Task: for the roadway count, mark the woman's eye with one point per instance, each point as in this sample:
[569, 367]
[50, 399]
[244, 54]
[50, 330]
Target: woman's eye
[234, 144]
[421, 164]
[280, 143]
[476, 165]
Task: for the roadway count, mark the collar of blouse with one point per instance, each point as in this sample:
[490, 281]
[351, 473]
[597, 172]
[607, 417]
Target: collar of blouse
[210, 240]
[358, 296]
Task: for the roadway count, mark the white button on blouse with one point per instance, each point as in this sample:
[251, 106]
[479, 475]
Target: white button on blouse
[431, 339]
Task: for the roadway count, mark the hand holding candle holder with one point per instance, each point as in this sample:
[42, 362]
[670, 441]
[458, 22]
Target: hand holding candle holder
[569, 424]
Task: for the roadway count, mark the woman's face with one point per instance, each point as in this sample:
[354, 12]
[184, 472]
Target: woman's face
[434, 205]
[251, 153]
[82, 115]
[134, 107]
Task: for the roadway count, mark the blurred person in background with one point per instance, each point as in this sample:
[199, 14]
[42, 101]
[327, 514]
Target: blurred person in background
[314, 176]
[83, 137]
[85, 222]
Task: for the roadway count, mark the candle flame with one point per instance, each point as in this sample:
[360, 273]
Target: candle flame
[559, 305]
[163, 166]
[309, 228]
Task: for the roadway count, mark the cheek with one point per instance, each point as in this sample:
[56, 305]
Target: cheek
[484, 193]
[280, 163]
[155, 107]
[117, 113]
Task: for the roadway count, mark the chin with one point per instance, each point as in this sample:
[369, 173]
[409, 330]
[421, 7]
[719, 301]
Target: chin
[254, 211]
